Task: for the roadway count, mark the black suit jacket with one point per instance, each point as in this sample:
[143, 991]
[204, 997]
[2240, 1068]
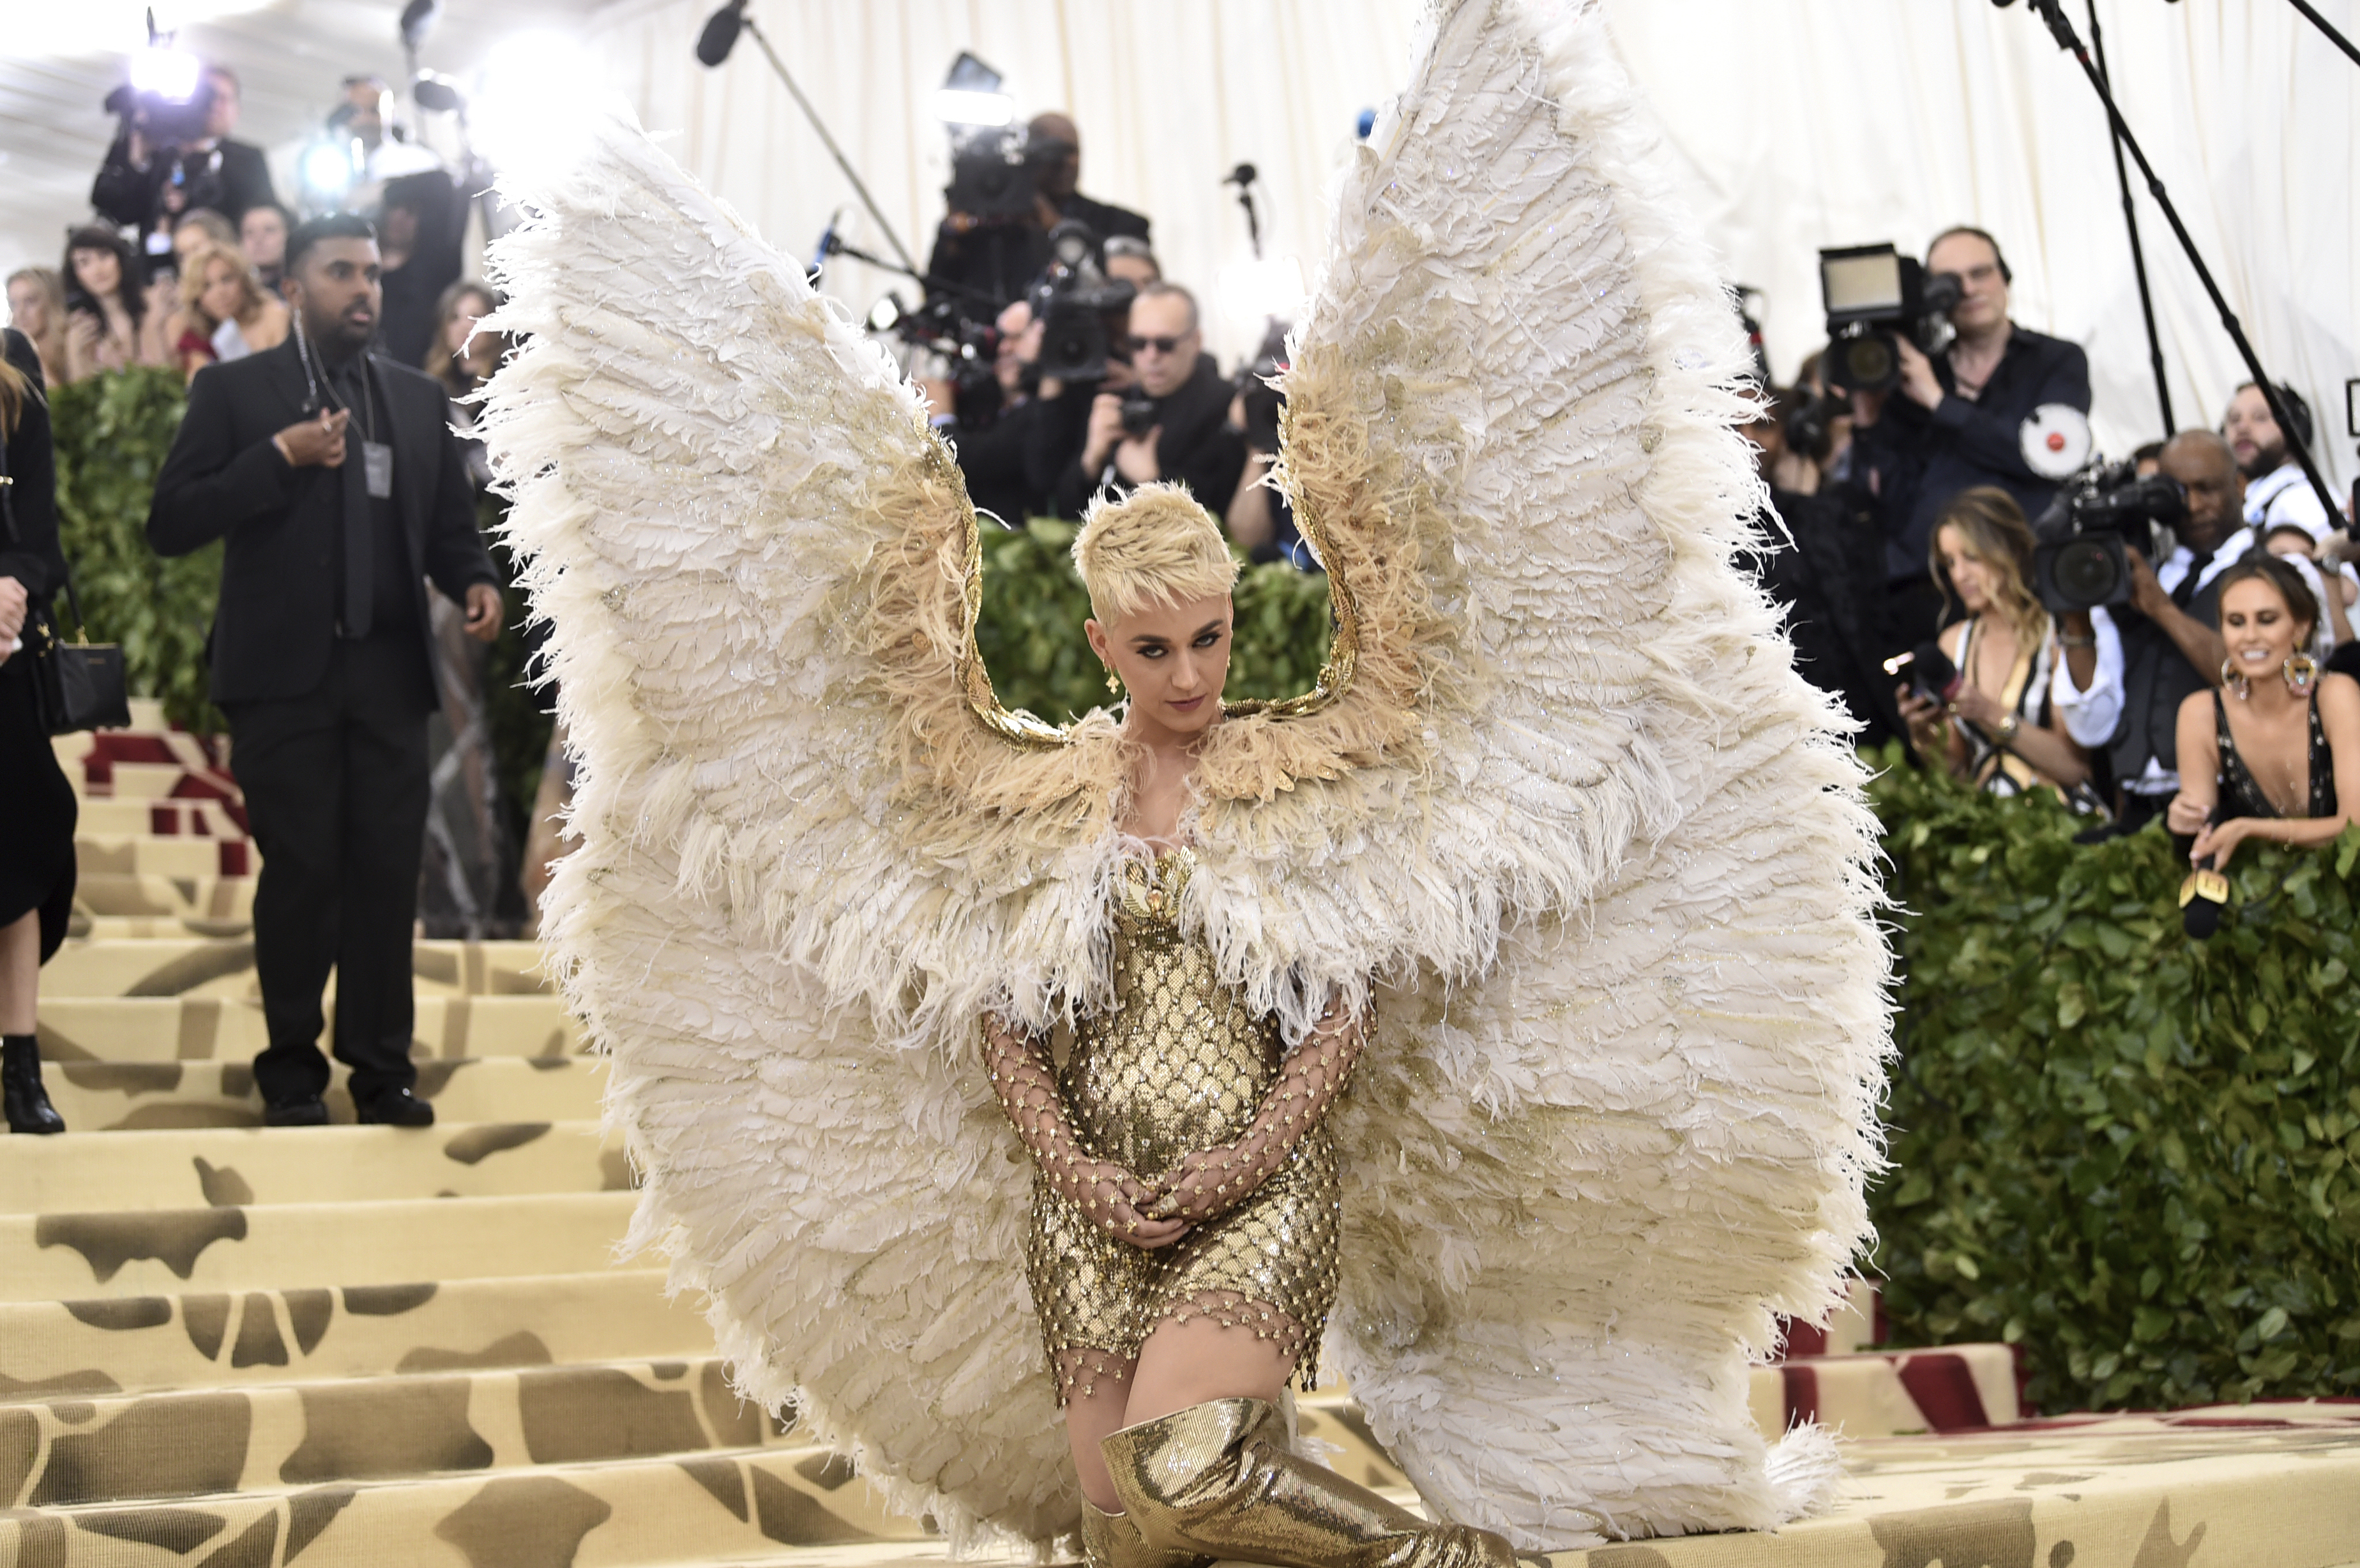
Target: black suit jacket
[223, 479]
[32, 558]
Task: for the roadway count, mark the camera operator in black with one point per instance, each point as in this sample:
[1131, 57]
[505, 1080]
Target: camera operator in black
[1953, 423]
[150, 182]
[998, 258]
[2171, 642]
[995, 452]
[1177, 427]
[1829, 578]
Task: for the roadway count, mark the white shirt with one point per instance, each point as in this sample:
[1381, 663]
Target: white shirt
[2284, 496]
[229, 341]
[2091, 716]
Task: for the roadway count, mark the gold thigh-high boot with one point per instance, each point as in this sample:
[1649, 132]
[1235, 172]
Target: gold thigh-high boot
[1217, 1478]
[1112, 1540]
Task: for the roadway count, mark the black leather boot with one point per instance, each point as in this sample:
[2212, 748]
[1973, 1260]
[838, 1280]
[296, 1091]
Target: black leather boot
[20, 1075]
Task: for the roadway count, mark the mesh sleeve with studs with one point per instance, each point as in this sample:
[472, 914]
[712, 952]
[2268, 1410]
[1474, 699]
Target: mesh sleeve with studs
[1021, 1075]
[1210, 1184]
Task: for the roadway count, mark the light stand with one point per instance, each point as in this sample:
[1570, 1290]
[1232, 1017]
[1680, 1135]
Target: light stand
[2138, 251]
[712, 47]
[2338, 40]
[2052, 12]
[831, 246]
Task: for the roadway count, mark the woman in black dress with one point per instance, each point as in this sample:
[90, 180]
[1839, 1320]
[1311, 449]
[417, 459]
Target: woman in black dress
[37, 847]
[2273, 752]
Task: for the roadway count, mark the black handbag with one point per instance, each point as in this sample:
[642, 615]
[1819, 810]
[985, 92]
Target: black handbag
[77, 685]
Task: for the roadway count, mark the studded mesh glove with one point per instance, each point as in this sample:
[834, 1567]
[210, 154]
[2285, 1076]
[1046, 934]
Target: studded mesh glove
[1109, 1195]
[1211, 1181]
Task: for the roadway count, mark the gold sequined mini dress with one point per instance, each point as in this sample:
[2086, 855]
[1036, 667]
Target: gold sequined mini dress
[1179, 1064]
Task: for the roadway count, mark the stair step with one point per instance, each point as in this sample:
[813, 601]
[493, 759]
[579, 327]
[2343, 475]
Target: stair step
[196, 1167]
[225, 967]
[198, 818]
[147, 1029]
[1890, 1393]
[147, 1095]
[375, 1429]
[710, 1507]
[144, 855]
[85, 926]
[160, 1251]
[204, 896]
[203, 1340]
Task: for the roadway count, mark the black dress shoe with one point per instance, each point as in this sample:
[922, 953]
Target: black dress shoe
[396, 1107]
[28, 1107]
[309, 1111]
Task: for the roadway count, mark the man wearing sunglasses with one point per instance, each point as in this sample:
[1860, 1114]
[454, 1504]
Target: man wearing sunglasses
[1186, 435]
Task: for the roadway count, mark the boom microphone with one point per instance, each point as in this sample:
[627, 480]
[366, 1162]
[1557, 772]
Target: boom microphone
[720, 35]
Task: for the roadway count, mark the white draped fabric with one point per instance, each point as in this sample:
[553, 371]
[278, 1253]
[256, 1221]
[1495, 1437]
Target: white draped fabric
[1792, 123]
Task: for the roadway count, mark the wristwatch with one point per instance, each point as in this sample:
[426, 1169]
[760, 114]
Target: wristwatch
[2008, 726]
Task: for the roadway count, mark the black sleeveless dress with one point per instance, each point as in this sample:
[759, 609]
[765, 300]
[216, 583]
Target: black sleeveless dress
[2241, 796]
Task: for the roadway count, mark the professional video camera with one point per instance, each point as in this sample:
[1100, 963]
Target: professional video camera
[167, 103]
[996, 172]
[1074, 301]
[1873, 297]
[968, 348]
[2079, 561]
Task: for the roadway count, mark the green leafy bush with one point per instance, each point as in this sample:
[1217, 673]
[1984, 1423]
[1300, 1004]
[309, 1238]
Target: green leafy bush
[112, 433]
[1031, 629]
[2126, 1151]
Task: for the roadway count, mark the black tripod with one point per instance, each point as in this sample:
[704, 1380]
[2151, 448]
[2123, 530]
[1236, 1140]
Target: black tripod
[2052, 12]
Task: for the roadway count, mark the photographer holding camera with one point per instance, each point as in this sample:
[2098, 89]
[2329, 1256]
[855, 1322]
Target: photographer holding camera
[995, 241]
[1956, 420]
[1174, 426]
[2171, 641]
[171, 157]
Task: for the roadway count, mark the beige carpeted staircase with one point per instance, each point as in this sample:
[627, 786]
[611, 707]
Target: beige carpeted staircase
[235, 1347]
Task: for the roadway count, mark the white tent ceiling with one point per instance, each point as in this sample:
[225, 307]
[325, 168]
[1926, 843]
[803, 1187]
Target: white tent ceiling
[1791, 124]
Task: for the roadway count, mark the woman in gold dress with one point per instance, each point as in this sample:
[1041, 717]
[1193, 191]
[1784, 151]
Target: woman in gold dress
[1183, 1257]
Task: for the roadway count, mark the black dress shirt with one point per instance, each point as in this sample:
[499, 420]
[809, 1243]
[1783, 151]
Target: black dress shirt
[354, 387]
[1922, 457]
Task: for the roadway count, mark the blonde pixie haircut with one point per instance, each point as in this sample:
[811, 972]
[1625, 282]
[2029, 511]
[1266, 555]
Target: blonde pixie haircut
[1154, 545]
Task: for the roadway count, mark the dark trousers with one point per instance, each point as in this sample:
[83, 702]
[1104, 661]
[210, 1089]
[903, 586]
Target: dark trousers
[335, 785]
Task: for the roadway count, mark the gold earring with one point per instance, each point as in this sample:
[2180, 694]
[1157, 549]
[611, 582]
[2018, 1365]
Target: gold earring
[2299, 671]
[1114, 682]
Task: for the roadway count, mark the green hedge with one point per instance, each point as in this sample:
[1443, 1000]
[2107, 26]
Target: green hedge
[111, 432]
[2126, 1151]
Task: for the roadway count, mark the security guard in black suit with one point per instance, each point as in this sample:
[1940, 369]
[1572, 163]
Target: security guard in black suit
[335, 480]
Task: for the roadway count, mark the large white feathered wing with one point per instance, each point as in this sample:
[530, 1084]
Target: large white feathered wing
[731, 506]
[1623, 1110]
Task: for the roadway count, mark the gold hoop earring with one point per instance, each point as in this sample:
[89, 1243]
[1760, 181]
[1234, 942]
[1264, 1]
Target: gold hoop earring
[2300, 672]
[2237, 681]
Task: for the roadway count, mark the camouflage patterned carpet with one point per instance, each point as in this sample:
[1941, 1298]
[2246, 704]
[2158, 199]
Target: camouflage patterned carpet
[224, 1346]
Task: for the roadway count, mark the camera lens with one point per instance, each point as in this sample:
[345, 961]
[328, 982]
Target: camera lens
[1868, 360]
[2087, 572]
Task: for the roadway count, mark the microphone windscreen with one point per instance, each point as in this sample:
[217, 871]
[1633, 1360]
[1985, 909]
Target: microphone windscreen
[720, 35]
[2202, 899]
[2200, 918]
